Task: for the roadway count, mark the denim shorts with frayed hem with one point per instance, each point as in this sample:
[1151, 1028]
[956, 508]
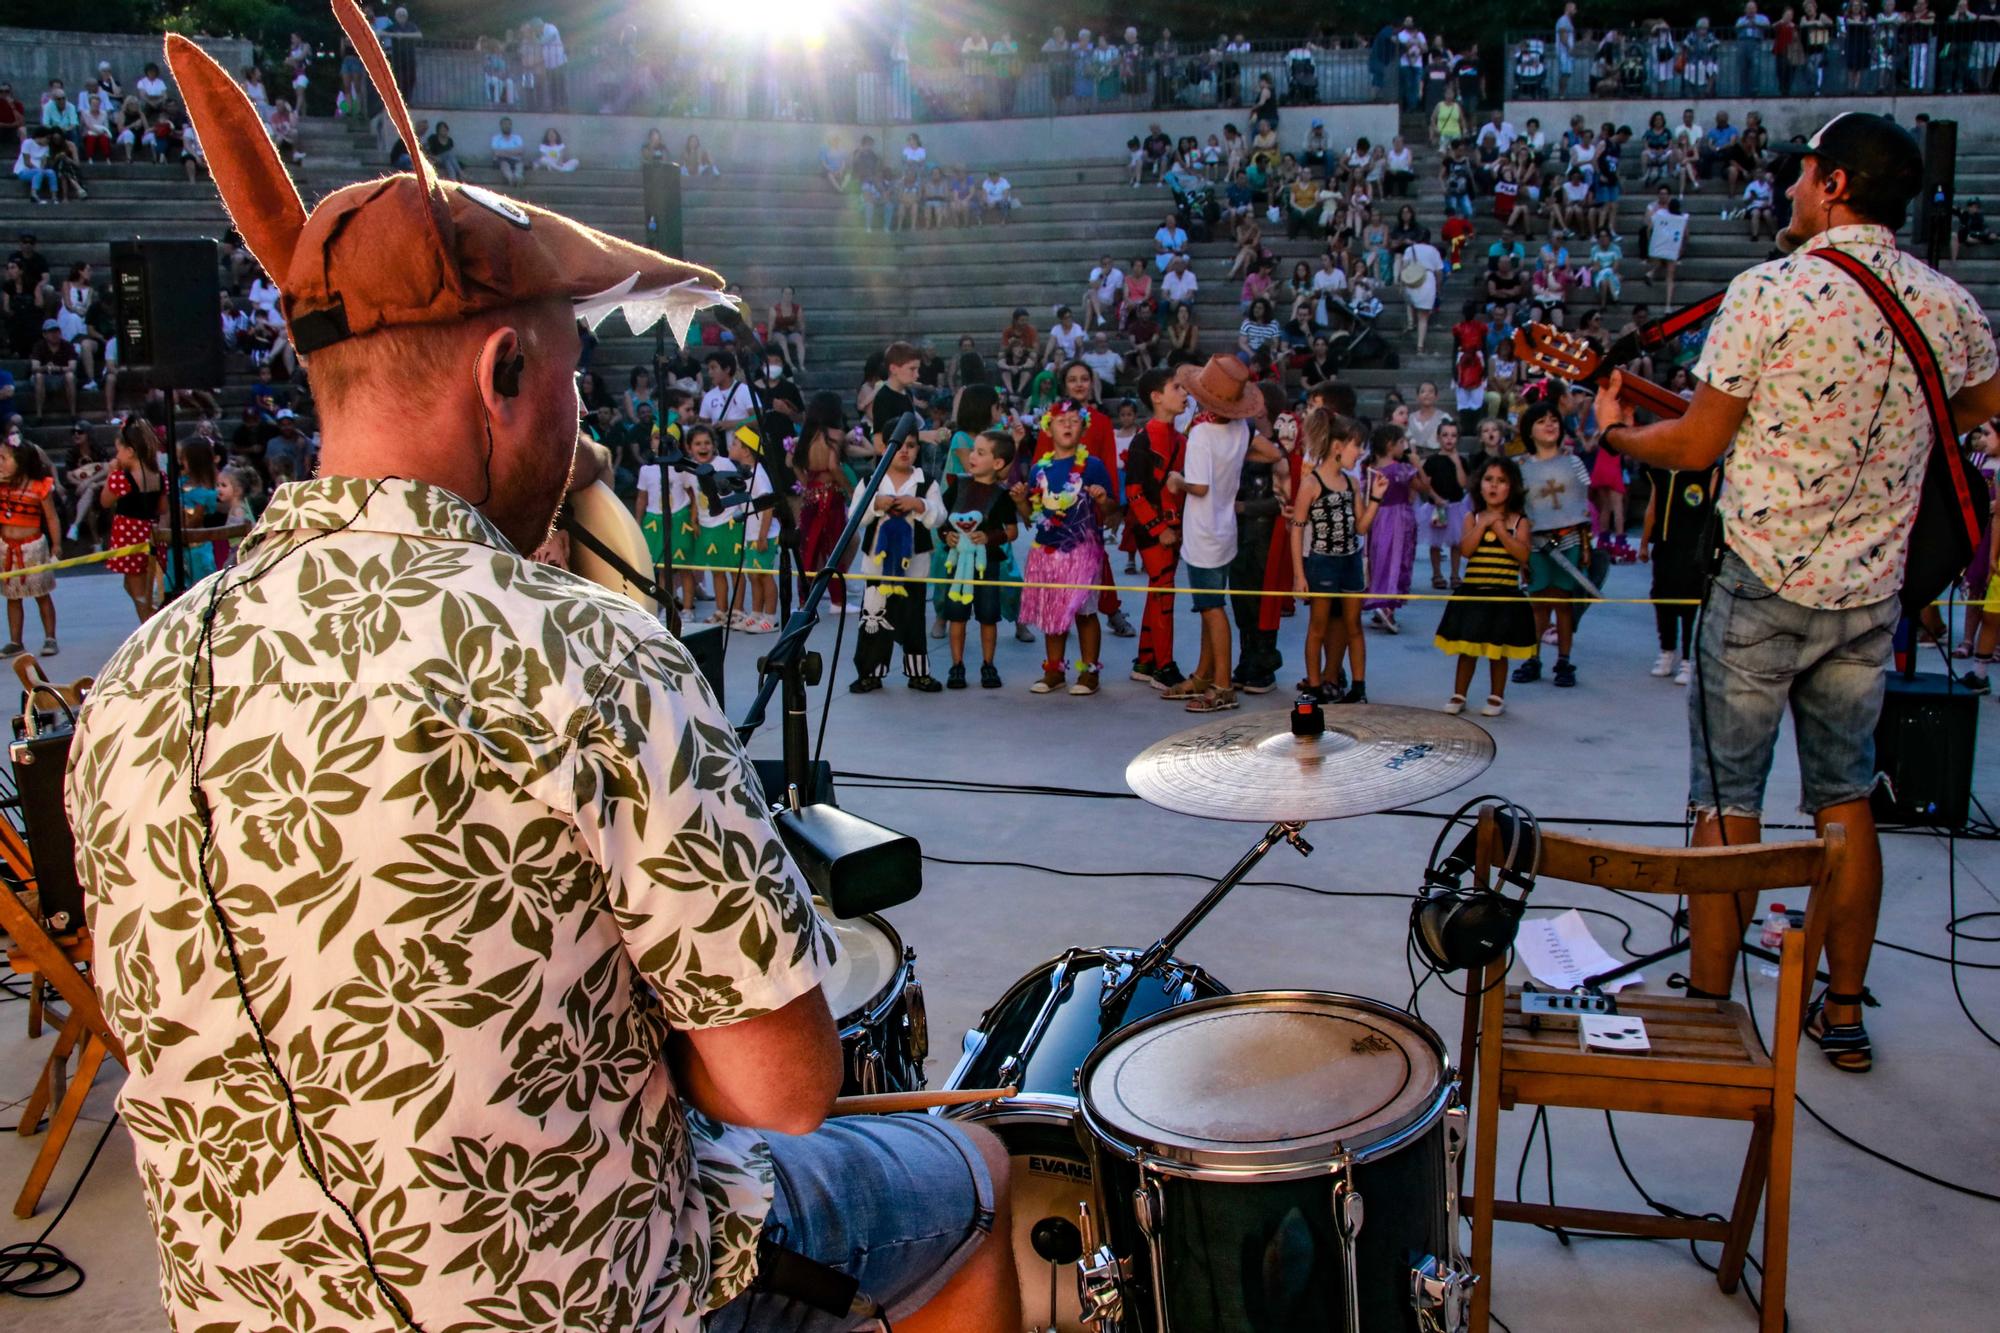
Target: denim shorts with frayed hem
[1209, 585]
[898, 1202]
[1759, 654]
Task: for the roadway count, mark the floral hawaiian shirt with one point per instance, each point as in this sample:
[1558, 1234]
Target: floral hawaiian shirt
[1823, 477]
[484, 840]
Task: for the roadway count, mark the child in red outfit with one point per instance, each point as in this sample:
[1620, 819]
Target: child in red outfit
[1153, 516]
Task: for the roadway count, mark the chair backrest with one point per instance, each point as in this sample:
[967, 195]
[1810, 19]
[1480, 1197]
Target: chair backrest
[1674, 870]
[1692, 871]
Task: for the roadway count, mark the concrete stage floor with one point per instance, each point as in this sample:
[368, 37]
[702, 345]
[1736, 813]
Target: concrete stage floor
[1873, 1248]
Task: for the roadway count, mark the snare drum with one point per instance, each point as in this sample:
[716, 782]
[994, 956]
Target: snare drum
[1278, 1160]
[1036, 1038]
[876, 999]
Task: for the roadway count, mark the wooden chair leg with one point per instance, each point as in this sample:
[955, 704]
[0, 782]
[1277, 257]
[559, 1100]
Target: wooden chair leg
[1743, 1217]
[1486, 1150]
[1778, 1218]
[46, 1086]
[60, 1127]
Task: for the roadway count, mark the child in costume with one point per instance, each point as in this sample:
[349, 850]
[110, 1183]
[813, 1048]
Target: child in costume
[896, 542]
[760, 537]
[1392, 541]
[1490, 617]
[718, 532]
[1445, 516]
[979, 521]
[1067, 496]
[1328, 522]
[1153, 515]
[1678, 512]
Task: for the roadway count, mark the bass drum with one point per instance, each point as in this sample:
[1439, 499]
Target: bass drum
[1277, 1162]
[1036, 1038]
[878, 1004]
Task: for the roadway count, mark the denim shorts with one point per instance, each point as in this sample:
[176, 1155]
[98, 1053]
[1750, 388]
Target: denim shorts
[1759, 653]
[1208, 585]
[897, 1202]
[1335, 573]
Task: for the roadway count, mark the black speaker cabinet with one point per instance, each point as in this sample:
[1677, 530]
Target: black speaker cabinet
[1923, 748]
[169, 303]
[1940, 192]
[660, 184]
[704, 645]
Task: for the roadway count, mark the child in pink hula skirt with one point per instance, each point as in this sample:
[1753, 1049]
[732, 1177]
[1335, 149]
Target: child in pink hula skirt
[1067, 496]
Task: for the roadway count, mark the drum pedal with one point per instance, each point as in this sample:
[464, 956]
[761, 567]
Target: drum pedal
[1560, 1010]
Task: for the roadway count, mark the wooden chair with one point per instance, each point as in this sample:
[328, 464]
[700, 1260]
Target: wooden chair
[38, 955]
[38, 689]
[1705, 1059]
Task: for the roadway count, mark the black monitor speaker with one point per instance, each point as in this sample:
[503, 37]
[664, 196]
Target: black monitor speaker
[169, 306]
[1939, 195]
[660, 185]
[1924, 745]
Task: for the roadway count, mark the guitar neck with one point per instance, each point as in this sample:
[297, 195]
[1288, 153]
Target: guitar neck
[1650, 397]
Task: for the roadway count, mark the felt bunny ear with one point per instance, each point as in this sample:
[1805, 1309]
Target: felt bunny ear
[368, 46]
[259, 195]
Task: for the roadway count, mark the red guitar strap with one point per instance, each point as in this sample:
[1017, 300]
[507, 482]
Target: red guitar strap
[1910, 336]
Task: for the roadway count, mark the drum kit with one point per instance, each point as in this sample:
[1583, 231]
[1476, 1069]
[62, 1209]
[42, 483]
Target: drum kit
[1191, 1160]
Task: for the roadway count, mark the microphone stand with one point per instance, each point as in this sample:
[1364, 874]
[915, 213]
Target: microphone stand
[663, 569]
[788, 664]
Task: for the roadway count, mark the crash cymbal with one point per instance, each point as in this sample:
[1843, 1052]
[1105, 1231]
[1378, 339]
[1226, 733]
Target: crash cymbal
[1372, 757]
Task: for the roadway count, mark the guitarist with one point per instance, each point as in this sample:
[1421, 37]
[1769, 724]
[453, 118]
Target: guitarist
[1821, 424]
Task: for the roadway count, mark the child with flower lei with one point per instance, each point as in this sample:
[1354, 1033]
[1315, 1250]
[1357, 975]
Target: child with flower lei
[1066, 497]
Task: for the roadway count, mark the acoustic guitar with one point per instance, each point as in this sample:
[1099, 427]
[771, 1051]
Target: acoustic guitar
[1577, 360]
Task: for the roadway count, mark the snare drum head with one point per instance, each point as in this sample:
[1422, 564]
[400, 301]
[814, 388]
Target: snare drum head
[870, 953]
[1264, 1079]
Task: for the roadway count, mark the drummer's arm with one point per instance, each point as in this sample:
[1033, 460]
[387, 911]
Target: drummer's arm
[779, 1072]
[709, 912]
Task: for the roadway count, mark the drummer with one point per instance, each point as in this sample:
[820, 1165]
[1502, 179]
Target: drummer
[464, 954]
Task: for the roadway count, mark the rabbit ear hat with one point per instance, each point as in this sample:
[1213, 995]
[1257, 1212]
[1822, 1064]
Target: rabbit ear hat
[409, 248]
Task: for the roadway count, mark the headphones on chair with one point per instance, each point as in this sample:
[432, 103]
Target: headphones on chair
[1456, 926]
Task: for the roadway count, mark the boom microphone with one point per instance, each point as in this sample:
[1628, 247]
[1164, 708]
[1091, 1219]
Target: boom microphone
[906, 425]
[730, 316]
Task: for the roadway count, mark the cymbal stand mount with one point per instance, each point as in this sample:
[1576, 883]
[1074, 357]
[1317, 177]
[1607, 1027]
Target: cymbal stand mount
[1163, 948]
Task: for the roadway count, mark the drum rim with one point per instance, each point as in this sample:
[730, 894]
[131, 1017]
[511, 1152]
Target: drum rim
[1030, 1108]
[1125, 953]
[967, 1054]
[1278, 1163]
[883, 1002]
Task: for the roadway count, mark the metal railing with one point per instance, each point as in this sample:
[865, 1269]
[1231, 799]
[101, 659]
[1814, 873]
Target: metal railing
[617, 80]
[1846, 57]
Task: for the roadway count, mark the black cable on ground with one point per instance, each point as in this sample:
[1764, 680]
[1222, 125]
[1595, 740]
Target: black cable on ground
[27, 1268]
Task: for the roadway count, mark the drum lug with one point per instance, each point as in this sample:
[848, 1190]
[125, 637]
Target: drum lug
[871, 1072]
[1347, 1219]
[1440, 1294]
[1100, 1279]
[1149, 1208]
[1454, 1150]
[915, 1019]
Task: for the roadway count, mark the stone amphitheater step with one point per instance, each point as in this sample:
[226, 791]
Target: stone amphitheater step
[862, 290]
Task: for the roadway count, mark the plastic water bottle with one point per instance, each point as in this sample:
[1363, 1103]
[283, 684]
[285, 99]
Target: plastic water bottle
[1776, 922]
[1772, 936]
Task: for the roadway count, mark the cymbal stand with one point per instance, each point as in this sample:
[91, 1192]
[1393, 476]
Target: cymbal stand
[1163, 948]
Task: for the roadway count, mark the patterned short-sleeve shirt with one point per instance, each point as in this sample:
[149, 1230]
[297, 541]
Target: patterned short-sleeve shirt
[484, 839]
[1822, 479]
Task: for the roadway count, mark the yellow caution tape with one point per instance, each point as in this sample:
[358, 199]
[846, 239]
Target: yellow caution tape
[1142, 589]
[76, 560]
